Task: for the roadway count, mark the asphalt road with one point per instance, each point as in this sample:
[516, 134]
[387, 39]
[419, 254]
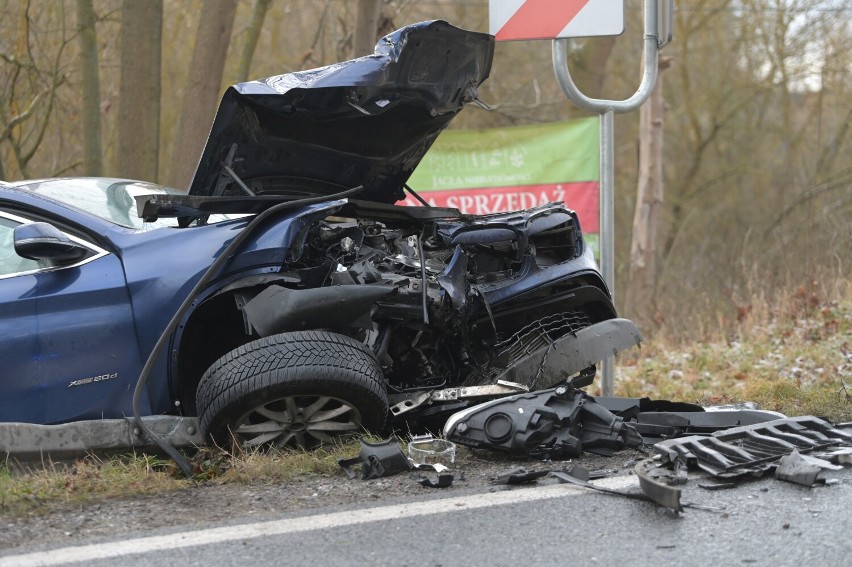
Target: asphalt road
[761, 522]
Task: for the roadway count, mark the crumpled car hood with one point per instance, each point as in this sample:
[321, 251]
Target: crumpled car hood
[367, 121]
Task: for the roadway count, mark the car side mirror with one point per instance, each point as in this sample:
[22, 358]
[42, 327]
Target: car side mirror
[43, 241]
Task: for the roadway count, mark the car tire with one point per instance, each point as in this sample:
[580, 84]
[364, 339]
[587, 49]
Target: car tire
[292, 390]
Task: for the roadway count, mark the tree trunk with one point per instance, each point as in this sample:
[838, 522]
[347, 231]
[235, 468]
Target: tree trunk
[91, 89]
[252, 33]
[139, 93]
[640, 300]
[366, 27]
[203, 88]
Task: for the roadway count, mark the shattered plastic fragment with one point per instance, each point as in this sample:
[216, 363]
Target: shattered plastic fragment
[444, 480]
[841, 456]
[519, 475]
[424, 449]
[659, 484]
[377, 460]
[748, 450]
[432, 467]
[717, 485]
[803, 469]
[753, 449]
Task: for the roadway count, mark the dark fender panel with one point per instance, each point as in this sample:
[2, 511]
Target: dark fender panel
[277, 309]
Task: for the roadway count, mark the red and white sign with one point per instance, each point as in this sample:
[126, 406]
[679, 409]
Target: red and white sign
[550, 19]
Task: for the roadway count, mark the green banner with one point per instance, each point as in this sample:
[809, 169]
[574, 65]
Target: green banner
[557, 152]
[519, 167]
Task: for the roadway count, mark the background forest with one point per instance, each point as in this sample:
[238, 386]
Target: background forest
[757, 144]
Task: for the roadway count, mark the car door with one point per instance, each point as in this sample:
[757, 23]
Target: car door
[68, 348]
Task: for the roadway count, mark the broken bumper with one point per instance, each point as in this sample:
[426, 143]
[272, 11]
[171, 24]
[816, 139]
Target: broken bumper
[559, 360]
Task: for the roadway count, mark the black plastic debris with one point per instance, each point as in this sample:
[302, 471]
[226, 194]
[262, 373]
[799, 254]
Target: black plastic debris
[661, 484]
[803, 469]
[841, 456]
[376, 460]
[557, 423]
[717, 485]
[753, 449]
[656, 426]
[443, 480]
[436, 477]
[745, 451]
[656, 420]
[519, 475]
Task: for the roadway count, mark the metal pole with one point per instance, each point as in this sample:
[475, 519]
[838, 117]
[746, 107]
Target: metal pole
[606, 109]
[607, 229]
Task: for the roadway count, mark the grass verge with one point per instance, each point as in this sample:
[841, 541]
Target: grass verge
[25, 490]
[798, 362]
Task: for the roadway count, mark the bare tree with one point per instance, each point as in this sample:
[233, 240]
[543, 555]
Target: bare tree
[91, 88]
[31, 79]
[640, 299]
[252, 34]
[203, 88]
[366, 27]
[139, 94]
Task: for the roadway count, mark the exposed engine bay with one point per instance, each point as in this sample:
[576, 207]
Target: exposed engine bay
[441, 302]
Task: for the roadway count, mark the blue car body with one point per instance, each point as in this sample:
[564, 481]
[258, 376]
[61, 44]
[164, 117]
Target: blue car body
[75, 338]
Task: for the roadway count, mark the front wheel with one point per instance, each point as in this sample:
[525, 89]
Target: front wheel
[292, 390]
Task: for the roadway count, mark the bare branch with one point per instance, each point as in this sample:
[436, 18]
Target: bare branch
[7, 131]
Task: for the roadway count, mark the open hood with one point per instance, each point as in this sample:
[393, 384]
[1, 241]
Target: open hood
[367, 121]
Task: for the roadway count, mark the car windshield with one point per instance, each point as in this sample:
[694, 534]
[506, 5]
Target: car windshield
[110, 199]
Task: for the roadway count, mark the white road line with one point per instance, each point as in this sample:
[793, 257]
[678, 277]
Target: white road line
[210, 536]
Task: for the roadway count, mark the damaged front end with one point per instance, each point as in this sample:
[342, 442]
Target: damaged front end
[450, 308]
[447, 301]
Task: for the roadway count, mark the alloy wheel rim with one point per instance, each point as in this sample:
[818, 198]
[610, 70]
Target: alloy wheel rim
[298, 422]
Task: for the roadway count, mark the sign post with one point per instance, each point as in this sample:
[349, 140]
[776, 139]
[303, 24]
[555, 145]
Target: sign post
[657, 12]
[536, 19]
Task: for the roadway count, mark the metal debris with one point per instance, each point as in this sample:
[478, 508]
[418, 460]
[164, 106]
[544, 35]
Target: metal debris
[570, 479]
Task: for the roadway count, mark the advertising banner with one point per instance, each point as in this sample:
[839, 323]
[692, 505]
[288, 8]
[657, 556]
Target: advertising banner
[517, 167]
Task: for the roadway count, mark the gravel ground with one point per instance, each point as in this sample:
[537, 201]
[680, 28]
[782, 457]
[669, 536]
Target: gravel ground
[209, 503]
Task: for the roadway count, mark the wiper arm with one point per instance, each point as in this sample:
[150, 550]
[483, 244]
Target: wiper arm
[239, 181]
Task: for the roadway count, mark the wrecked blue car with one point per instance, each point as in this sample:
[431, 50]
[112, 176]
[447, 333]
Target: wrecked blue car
[286, 299]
